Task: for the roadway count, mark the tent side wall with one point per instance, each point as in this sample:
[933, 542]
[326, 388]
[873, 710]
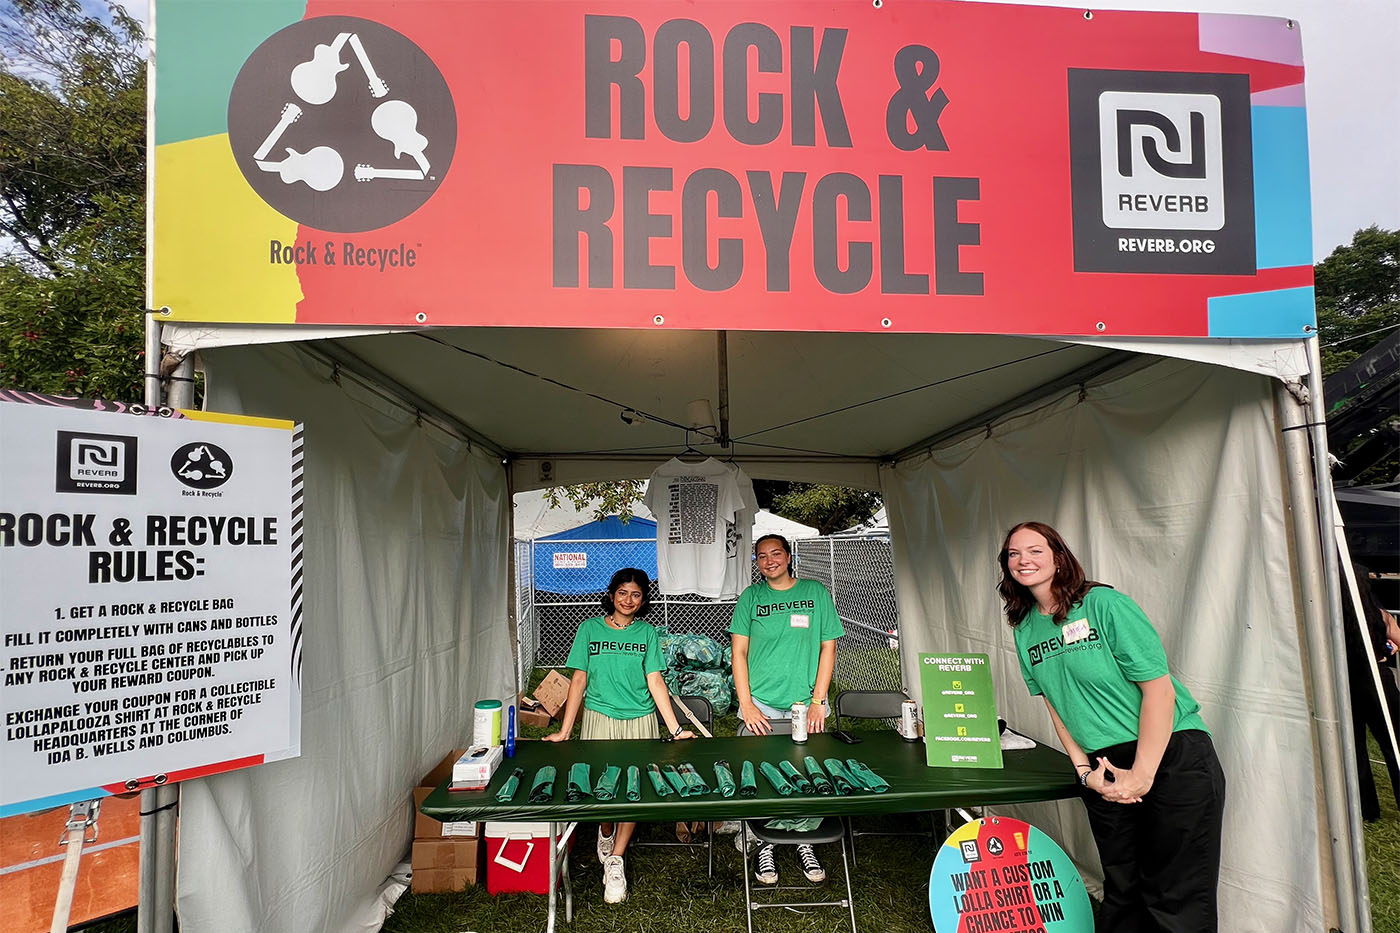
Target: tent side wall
[406, 549]
[1168, 484]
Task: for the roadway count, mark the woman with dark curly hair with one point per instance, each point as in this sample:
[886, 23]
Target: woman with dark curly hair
[617, 680]
[1153, 786]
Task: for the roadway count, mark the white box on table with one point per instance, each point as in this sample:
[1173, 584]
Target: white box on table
[475, 767]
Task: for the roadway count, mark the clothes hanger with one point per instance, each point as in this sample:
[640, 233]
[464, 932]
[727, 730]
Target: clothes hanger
[691, 450]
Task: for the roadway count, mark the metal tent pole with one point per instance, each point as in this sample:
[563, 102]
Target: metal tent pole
[1326, 506]
[146, 886]
[1313, 594]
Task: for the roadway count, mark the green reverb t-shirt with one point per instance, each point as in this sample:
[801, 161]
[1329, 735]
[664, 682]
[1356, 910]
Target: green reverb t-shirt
[1089, 668]
[785, 629]
[617, 662]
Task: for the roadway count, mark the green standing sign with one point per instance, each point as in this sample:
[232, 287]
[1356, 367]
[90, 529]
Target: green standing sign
[960, 711]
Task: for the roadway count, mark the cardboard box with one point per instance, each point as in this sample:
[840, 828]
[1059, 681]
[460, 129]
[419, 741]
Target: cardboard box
[425, 827]
[442, 771]
[552, 692]
[536, 716]
[443, 865]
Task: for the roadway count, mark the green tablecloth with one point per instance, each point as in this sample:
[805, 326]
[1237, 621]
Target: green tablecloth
[1038, 773]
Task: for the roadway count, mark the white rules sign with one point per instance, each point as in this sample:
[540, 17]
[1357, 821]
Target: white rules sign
[150, 596]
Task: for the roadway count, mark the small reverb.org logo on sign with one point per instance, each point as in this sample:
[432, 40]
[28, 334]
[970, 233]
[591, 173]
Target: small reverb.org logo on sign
[1162, 171]
[100, 463]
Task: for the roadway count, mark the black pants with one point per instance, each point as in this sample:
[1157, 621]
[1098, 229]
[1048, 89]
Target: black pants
[1161, 857]
[1366, 714]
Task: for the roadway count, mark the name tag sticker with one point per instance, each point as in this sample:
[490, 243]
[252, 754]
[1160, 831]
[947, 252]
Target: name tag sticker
[1078, 630]
[799, 621]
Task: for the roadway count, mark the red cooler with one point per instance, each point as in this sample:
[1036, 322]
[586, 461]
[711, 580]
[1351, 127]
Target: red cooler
[517, 857]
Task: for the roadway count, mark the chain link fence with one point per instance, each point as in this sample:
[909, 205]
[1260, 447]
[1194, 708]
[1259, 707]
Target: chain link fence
[858, 570]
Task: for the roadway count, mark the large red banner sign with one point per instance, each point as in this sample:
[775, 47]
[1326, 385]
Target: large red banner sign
[932, 167]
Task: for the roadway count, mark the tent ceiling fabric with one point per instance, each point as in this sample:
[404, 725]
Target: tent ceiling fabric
[828, 383]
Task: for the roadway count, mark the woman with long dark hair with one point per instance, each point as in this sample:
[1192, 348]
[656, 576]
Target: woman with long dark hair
[1152, 784]
[617, 664]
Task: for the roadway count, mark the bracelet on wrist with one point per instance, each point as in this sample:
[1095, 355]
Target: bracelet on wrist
[679, 730]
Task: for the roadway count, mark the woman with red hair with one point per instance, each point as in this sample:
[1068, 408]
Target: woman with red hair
[1152, 784]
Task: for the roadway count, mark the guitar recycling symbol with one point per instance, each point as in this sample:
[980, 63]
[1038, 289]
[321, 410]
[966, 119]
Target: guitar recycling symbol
[356, 93]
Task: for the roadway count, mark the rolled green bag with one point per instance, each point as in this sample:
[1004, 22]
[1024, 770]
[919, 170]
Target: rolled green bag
[748, 785]
[867, 779]
[819, 779]
[775, 777]
[724, 779]
[792, 774]
[542, 790]
[634, 783]
[842, 781]
[509, 788]
[606, 788]
[580, 782]
[674, 778]
[694, 778]
[658, 783]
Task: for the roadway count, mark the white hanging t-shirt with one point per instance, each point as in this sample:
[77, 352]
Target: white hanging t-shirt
[738, 558]
[695, 506]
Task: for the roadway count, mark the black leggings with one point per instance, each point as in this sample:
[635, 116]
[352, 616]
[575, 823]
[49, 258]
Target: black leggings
[1161, 857]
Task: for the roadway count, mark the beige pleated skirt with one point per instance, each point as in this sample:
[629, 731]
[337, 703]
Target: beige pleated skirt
[598, 726]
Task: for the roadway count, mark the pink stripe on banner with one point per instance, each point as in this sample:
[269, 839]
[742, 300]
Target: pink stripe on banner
[1264, 38]
[1291, 96]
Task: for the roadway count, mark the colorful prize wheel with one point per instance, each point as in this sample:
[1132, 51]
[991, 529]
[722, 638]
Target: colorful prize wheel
[1005, 875]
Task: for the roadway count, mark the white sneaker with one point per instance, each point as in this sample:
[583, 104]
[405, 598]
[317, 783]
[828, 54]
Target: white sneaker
[726, 827]
[614, 881]
[605, 843]
[739, 841]
[767, 870]
[807, 858]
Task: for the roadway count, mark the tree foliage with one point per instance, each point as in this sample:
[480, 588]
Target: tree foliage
[1358, 305]
[1358, 296]
[616, 498]
[72, 199]
[829, 509]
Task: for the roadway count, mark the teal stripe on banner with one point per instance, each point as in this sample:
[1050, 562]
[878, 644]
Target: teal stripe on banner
[48, 803]
[1281, 313]
[200, 46]
[1282, 203]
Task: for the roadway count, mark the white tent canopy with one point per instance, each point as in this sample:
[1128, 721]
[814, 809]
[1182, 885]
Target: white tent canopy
[1164, 473]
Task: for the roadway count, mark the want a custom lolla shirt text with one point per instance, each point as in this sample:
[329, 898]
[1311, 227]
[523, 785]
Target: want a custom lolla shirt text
[785, 629]
[1090, 666]
[617, 662]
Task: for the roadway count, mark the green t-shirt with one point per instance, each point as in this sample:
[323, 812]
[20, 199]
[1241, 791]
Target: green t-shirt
[785, 629]
[617, 662]
[1089, 668]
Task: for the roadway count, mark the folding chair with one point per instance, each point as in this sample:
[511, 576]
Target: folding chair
[830, 831]
[872, 704]
[704, 712]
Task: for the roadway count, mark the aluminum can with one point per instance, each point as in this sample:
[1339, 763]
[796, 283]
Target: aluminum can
[909, 721]
[799, 723]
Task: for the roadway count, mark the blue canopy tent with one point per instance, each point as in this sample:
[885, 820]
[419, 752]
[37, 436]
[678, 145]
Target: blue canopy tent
[583, 559]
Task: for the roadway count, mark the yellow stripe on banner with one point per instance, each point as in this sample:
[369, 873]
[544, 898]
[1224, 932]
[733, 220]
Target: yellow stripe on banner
[212, 240]
[226, 418]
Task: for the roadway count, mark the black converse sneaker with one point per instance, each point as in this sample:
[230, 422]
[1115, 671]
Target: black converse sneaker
[767, 872]
[807, 858]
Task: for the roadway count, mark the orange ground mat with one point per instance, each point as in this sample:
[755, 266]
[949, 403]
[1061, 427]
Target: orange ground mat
[107, 877]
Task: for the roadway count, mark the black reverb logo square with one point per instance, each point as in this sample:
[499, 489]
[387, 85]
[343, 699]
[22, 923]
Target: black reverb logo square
[96, 463]
[1162, 172]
